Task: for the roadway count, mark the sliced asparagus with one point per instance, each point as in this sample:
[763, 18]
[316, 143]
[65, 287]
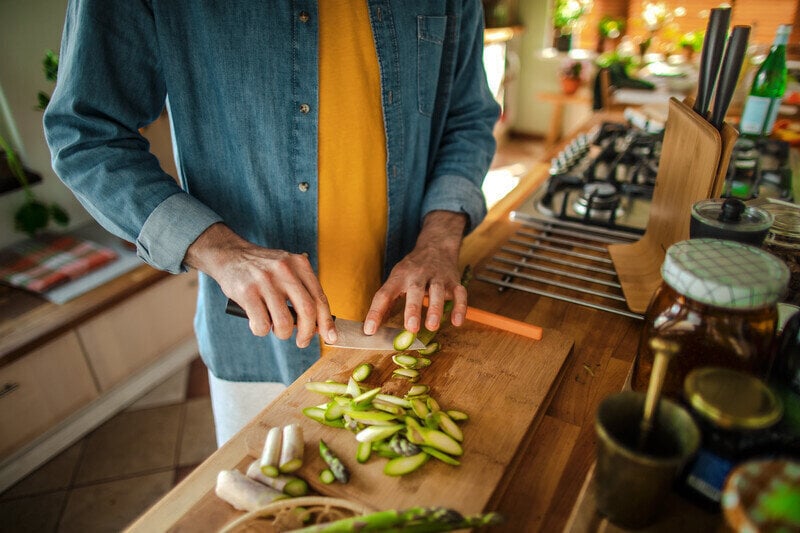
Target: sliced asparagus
[402, 446]
[458, 416]
[389, 398]
[353, 390]
[419, 408]
[429, 349]
[404, 340]
[290, 485]
[362, 372]
[243, 493]
[318, 414]
[406, 373]
[327, 477]
[364, 399]
[441, 441]
[291, 449]
[364, 451]
[417, 390]
[433, 452]
[373, 433]
[340, 471]
[372, 417]
[447, 425]
[271, 454]
[401, 466]
[326, 387]
[405, 360]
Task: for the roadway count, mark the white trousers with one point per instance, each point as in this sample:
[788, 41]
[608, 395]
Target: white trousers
[235, 403]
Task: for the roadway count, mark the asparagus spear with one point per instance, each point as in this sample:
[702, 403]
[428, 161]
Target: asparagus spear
[290, 485]
[414, 520]
[335, 464]
[272, 452]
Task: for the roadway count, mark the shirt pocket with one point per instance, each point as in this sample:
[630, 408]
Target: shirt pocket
[431, 31]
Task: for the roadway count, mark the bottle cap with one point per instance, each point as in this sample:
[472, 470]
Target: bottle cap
[731, 399]
[724, 273]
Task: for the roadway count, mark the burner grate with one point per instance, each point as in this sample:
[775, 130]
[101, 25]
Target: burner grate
[561, 260]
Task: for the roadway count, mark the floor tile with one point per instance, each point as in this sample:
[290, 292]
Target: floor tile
[130, 443]
[54, 475]
[172, 390]
[198, 380]
[110, 507]
[198, 438]
[37, 514]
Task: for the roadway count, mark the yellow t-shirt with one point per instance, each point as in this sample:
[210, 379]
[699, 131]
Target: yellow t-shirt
[352, 159]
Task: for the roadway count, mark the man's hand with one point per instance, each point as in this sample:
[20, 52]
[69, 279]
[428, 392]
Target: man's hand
[261, 280]
[431, 266]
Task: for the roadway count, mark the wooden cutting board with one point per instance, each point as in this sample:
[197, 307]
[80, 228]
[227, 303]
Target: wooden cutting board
[502, 380]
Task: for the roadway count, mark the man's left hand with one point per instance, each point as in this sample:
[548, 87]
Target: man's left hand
[432, 267]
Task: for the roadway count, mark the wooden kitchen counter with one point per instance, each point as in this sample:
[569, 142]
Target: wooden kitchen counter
[552, 465]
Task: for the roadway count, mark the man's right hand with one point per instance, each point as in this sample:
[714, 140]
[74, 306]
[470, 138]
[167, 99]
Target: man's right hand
[261, 280]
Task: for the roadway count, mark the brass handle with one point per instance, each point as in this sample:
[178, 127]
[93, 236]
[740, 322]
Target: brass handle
[8, 388]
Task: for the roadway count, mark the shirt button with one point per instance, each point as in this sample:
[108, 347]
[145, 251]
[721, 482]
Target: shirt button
[304, 16]
[303, 186]
[304, 108]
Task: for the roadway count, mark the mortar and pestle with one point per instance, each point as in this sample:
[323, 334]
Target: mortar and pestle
[643, 443]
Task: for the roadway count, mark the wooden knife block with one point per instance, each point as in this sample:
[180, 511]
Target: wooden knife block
[693, 164]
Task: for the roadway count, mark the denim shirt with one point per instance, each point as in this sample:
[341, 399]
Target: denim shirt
[239, 78]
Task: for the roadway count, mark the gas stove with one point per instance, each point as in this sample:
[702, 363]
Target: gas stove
[598, 193]
[602, 178]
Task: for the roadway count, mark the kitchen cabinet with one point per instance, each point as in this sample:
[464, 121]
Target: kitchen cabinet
[65, 369]
[41, 388]
[127, 337]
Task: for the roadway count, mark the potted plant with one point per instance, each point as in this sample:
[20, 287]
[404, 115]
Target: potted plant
[566, 14]
[571, 76]
[609, 29]
[33, 215]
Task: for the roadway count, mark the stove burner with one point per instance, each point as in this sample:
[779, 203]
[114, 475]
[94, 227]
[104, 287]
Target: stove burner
[598, 200]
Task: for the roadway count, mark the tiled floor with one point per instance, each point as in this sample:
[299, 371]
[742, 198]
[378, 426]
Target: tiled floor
[113, 474]
[105, 480]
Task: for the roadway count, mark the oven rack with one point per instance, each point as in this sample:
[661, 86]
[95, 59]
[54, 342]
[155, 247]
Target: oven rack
[562, 260]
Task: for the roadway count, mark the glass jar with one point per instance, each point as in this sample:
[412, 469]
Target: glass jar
[783, 240]
[735, 413]
[717, 302]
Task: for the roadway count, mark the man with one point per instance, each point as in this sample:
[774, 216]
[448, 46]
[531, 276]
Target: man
[328, 150]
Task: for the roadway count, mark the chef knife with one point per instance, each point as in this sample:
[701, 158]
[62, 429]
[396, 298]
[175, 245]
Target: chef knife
[351, 332]
[713, 46]
[729, 73]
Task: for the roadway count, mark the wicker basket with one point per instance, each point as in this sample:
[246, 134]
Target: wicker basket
[295, 513]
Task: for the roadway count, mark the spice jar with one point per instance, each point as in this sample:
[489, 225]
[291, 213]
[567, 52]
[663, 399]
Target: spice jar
[783, 240]
[735, 413]
[718, 302]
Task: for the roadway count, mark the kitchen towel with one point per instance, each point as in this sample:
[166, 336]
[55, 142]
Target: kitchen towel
[42, 263]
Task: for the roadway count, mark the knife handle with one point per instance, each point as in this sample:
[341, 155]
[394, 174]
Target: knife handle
[713, 46]
[234, 309]
[729, 76]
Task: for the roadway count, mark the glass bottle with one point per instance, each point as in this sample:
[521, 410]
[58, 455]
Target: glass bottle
[718, 302]
[769, 85]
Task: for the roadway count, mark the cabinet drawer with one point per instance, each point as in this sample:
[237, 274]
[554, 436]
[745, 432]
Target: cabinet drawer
[40, 389]
[130, 335]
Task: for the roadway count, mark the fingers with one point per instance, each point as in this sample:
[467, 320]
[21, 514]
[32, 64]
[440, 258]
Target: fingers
[435, 306]
[380, 305]
[459, 311]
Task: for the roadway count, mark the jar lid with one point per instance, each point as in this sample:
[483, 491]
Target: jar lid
[732, 399]
[787, 218]
[726, 274]
[731, 214]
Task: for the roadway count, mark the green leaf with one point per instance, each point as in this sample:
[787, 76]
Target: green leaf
[50, 65]
[32, 217]
[60, 216]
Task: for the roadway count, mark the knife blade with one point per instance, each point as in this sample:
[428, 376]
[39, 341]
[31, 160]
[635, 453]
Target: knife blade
[713, 46]
[729, 73]
[351, 332]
